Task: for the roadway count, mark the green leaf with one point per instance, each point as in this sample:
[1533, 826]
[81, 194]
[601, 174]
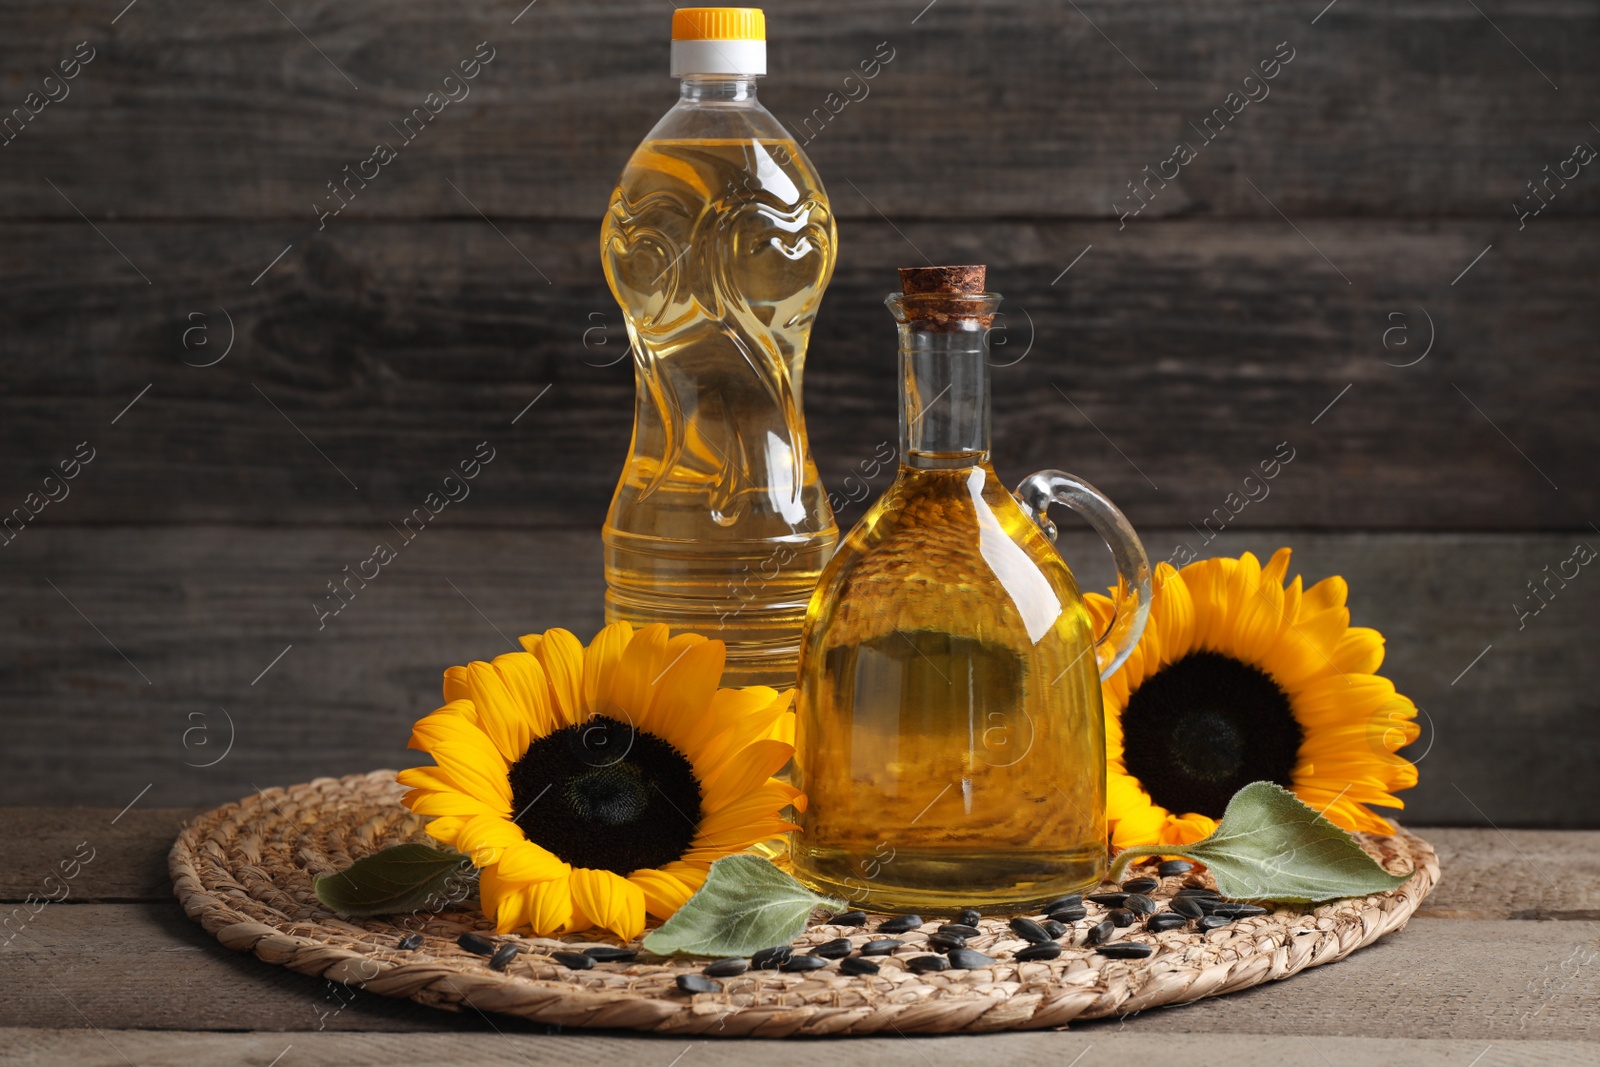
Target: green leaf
[1271, 846]
[746, 904]
[404, 878]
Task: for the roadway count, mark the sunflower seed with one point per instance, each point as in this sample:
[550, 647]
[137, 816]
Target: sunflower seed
[804, 963]
[1070, 915]
[1047, 951]
[899, 924]
[1101, 933]
[698, 983]
[1188, 907]
[926, 964]
[573, 961]
[1213, 922]
[849, 918]
[857, 965]
[1164, 920]
[1071, 900]
[1029, 930]
[960, 930]
[476, 944]
[1170, 868]
[1127, 950]
[968, 917]
[770, 959]
[1140, 885]
[1196, 891]
[1121, 917]
[610, 953]
[503, 956]
[967, 959]
[881, 947]
[1232, 910]
[1109, 900]
[727, 968]
[946, 942]
[1055, 927]
[1140, 904]
[411, 941]
[837, 949]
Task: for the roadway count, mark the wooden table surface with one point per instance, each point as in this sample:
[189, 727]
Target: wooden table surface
[1501, 966]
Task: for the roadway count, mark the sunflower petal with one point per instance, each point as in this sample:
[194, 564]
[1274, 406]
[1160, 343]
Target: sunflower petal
[680, 706]
[455, 719]
[663, 893]
[1186, 829]
[524, 679]
[1173, 614]
[446, 828]
[1328, 593]
[466, 755]
[501, 715]
[609, 900]
[427, 780]
[504, 902]
[450, 802]
[1132, 817]
[1360, 651]
[551, 910]
[526, 861]
[739, 716]
[1277, 568]
[1256, 616]
[478, 766]
[740, 775]
[748, 832]
[485, 838]
[561, 655]
[631, 678]
[600, 665]
[761, 804]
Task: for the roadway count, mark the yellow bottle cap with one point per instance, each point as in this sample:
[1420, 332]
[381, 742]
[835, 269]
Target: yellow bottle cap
[719, 24]
[719, 40]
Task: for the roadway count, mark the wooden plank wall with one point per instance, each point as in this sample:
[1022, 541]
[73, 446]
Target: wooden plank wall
[1342, 268]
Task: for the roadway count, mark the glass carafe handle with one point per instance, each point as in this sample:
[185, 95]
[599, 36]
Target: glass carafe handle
[1036, 493]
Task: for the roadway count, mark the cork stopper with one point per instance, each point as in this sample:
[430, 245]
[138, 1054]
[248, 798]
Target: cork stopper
[918, 280]
[945, 298]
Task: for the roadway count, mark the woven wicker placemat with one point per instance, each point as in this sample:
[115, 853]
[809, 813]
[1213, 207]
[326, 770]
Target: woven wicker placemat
[244, 871]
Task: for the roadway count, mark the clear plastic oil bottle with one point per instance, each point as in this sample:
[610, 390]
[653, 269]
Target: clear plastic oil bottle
[950, 737]
[718, 244]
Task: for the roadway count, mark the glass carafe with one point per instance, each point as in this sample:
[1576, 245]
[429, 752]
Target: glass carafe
[718, 245]
[950, 738]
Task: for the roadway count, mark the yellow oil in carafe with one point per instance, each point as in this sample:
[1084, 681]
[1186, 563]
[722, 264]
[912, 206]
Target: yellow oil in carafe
[951, 742]
[718, 251]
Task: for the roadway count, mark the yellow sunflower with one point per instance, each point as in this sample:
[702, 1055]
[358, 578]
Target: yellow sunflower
[1239, 679]
[593, 785]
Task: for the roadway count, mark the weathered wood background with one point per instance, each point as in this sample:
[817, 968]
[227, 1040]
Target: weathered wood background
[1343, 269]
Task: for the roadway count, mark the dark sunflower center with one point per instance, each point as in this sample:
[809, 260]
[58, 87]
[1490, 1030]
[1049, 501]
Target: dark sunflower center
[1200, 729]
[607, 796]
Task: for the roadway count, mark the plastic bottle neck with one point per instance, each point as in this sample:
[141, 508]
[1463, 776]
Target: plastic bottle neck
[717, 89]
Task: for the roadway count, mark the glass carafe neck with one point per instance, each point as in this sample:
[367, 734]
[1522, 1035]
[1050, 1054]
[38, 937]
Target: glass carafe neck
[944, 378]
[717, 89]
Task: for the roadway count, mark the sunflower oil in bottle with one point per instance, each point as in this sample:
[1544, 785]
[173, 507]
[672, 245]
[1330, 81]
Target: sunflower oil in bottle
[718, 244]
[950, 738]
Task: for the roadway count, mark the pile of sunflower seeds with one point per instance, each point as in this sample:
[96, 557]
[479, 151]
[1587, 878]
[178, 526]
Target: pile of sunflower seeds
[1062, 922]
